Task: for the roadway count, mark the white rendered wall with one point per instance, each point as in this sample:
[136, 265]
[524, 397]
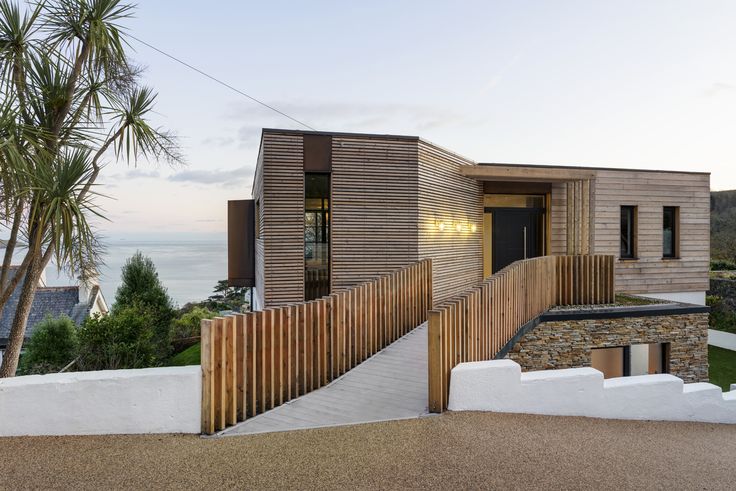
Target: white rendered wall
[695, 298]
[500, 386]
[148, 400]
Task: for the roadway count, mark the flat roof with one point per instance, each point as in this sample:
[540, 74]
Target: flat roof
[590, 167]
[417, 138]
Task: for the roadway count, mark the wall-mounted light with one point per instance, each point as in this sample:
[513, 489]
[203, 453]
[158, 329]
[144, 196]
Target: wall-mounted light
[458, 227]
[441, 226]
[473, 228]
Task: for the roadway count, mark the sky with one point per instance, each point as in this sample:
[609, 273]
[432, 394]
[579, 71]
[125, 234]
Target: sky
[633, 84]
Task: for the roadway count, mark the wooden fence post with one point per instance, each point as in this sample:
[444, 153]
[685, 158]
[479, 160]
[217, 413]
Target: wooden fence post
[207, 361]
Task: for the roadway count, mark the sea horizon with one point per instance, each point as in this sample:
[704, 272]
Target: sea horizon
[188, 268]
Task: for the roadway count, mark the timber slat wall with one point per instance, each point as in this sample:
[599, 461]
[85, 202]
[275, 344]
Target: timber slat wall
[254, 362]
[373, 206]
[282, 218]
[476, 325]
[650, 192]
[445, 195]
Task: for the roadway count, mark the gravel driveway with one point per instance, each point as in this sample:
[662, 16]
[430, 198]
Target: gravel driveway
[461, 450]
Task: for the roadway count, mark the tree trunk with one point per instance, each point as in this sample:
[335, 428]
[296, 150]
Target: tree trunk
[22, 311]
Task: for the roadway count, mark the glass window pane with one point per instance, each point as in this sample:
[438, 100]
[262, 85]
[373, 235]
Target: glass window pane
[625, 232]
[316, 236]
[668, 232]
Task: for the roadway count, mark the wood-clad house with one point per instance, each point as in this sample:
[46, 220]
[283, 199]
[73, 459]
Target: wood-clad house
[330, 210]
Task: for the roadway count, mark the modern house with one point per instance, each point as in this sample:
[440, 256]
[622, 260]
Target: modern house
[75, 301]
[330, 210]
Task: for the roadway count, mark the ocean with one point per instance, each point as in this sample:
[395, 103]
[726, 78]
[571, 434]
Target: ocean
[188, 269]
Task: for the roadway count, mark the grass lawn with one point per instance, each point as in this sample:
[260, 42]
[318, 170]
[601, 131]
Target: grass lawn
[722, 367]
[190, 356]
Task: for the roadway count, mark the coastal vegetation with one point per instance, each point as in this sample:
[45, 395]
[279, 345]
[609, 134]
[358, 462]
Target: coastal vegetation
[143, 328]
[70, 102]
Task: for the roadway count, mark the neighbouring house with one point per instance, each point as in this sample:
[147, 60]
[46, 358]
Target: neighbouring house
[76, 302]
[331, 210]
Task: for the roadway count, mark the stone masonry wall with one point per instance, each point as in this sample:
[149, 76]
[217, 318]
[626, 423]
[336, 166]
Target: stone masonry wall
[568, 344]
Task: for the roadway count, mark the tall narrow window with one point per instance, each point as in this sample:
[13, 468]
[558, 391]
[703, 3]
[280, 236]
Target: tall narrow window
[628, 232]
[258, 219]
[670, 217]
[316, 235]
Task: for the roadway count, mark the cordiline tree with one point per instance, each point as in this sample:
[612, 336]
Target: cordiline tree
[69, 101]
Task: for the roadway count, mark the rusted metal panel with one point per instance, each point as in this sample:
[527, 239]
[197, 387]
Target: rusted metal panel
[317, 153]
[241, 247]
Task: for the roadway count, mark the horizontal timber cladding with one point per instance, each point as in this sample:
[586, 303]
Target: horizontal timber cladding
[650, 192]
[558, 221]
[282, 209]
[374, 207]
[258, 197]
[447, 196]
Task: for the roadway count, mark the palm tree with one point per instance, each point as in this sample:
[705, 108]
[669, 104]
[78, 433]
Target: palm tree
[70, 100]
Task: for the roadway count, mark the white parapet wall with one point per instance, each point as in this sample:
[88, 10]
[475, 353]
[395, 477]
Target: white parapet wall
[148, 400]
[500, 386]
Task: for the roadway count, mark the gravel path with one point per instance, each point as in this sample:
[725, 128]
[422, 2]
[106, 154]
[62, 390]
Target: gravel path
[462, 450]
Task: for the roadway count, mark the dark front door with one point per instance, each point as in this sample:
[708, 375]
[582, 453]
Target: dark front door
[518, 233]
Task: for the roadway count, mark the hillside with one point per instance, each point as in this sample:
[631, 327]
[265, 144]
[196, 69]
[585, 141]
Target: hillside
[723, 225]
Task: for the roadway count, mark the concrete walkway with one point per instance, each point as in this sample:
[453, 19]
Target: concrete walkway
[722, 339]
[390, 385]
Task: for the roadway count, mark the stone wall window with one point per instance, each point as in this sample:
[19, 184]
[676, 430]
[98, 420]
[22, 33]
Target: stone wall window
[637, 359]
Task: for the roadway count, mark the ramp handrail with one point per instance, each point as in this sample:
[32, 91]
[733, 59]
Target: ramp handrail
[256, 361]
[477, 324]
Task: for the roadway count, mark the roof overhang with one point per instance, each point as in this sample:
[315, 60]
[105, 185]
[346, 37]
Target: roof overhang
[486, 172]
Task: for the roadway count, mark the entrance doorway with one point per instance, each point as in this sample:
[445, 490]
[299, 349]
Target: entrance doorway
[515, 228]
[518, 233]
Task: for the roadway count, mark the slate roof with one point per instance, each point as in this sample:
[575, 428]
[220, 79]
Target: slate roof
[52, 301]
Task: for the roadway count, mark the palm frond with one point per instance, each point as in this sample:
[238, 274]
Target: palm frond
[136, 137]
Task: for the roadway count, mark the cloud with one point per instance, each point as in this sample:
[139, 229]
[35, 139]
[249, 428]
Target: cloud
[218, 141]
[227, 178]
[137, 174]
[338, 116]
[719, 88]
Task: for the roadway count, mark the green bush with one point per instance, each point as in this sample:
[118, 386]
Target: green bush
[122, 339]
[187, 326]
[141, 289]
[52, 346]
[720, 318]
[722, 265]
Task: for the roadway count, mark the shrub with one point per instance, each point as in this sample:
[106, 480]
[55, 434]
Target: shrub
[122, 339]
[187, 326]
[51, 347]
[722, 265]
[141, 289]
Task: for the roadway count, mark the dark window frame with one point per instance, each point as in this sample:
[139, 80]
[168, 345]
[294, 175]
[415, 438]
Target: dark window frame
[632, 235]
[324, 229]
[675, 235]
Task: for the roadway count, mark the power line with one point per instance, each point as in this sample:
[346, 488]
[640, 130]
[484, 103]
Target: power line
[221, 82]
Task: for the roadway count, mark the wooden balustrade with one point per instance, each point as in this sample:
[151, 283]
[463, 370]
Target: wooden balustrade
[477, 324]
[254, 362]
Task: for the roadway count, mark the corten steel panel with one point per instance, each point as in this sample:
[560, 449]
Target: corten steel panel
[241, 248]
[317, 153]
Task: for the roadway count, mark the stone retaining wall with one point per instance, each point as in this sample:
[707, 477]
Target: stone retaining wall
[568, 343]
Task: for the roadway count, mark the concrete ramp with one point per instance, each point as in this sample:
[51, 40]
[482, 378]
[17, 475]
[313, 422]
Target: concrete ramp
[392, 384]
